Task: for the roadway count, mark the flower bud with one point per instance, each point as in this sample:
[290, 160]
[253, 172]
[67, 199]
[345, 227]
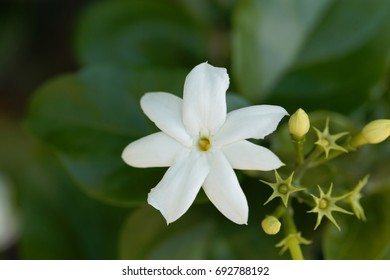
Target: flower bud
[376, 131]
[271, 225]
[299, 124]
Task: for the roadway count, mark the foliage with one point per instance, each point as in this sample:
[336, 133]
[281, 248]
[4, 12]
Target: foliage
[79, 199]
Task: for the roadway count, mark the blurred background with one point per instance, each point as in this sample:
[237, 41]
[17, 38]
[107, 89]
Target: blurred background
[72, 73]
[35, 45]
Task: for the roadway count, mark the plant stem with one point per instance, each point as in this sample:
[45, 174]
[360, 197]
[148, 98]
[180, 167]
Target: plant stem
[307, 163]
[293, 242]
[279, 212]
[333, 155]
[298, 144]
[295, 249]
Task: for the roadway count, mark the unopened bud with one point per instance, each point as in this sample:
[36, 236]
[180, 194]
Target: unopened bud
[299, 124]
[271, 225]
[376, 131]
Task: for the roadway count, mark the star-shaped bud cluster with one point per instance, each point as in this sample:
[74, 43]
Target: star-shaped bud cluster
[325, 204]
[282, 188]
[327, 141]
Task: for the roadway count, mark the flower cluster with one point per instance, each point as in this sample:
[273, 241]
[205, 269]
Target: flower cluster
[324, 148]
[201, 144]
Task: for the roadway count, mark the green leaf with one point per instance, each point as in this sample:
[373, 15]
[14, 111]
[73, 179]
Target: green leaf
[91, 116]
[57, 220]
[187, 238]
[139, 32]
[358, 239]
[235, 102]
[201, 233]
[267, 38]
[387, 255]
[60, 222]
[308, 53]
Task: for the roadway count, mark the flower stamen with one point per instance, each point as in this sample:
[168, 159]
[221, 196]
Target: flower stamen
[204, 144]
[323, 204]
[283, 189]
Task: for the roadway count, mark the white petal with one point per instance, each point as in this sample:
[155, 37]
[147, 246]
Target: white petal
[177, 190]
[224, 191]
[250, 122]
[165, 110]
[155, 150]
[245, 155]
[204, 99]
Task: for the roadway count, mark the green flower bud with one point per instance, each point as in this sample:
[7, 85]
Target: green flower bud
[271, 225]
[372, 133]
[299, 124]
[376, 131]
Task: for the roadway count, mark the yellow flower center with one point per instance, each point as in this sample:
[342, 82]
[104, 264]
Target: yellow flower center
[324, 142]
[204, 144]
[323, 204]
[283, 189]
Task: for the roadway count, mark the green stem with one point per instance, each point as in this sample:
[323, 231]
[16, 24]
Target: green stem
[307, 163]
[279, 212]
[293, 243]
[305, 197]
[295, 249]
[298, 144]
[347, 145]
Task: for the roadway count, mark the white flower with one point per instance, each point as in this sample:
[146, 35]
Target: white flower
[202, 144]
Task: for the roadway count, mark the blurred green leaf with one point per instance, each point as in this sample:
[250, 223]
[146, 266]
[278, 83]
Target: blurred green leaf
[267, 37]
[308, 53]
[139, 32]
[387, 255]
[57, 220]
[60, 222]
[358, 239]
[91, 116]
[235, 101]
[201, 233]
[188, 238]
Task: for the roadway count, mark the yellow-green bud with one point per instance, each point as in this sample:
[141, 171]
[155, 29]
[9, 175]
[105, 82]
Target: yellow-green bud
[299, 124]
[271, 225]
[376, 131]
